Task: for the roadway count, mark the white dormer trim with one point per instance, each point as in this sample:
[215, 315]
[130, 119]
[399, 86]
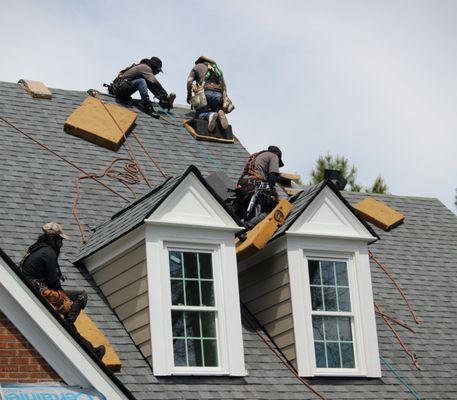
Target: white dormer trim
[49, 338]
[191, 219]
[191, 204]
[328, 230]
[327, 216]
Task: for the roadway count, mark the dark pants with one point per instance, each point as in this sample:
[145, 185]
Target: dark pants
[79, 299]
[214, 100]
[142, 86]
[244, 192]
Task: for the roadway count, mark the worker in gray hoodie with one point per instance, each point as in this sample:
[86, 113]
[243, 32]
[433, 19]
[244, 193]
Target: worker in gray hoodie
[141, 77]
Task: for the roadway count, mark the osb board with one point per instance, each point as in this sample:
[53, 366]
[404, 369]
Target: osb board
[36, 89]
[289, 176]
[259, 236]
[100, 123]
[87, 328]
[379, 214]
[197, 136]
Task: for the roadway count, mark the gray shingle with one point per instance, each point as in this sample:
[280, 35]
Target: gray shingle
[36, 187]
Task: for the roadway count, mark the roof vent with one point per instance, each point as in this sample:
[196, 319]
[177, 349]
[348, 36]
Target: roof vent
[36, 89]
[335, 176]
[198, 128]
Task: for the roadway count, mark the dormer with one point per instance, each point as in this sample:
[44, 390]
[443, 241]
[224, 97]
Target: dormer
[167, 266]
[311, 287]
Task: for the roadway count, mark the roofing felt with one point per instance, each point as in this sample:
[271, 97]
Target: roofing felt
[36, 187]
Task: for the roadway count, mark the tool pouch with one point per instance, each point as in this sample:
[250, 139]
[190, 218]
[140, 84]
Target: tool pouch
[122, 88]
[198, 100]
[57, 298]
[227, 105]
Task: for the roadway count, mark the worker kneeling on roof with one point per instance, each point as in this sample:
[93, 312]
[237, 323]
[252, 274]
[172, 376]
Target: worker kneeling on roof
[255, 193]
[210, 100]
[40, 265]
[141, 77]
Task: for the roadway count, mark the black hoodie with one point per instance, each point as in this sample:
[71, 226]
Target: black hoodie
[42, 265]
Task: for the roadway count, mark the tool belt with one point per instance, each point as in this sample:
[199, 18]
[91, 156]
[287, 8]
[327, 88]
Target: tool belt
[122, 88]
[57, 298]
[213, 86]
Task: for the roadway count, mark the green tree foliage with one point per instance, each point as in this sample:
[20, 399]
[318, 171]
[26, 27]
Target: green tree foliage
[379, 186]
[341, 163]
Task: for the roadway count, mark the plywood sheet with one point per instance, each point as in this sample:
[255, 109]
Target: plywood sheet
[290, 177]
[87, 328]
[36, 89]
[100, 123]
[379, 214]
[259, 236]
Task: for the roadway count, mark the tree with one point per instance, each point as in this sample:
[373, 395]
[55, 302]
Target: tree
[379, 186]
[341, 164]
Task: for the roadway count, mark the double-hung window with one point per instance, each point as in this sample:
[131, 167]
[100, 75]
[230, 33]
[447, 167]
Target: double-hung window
[332, 316]
[193, 309]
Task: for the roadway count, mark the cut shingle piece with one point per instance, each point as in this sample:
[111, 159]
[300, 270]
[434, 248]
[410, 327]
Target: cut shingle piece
[36, 89]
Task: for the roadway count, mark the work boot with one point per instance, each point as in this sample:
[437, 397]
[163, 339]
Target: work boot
[212, 121]
[100, 351]
[223, 119]
[149, 109]
[167, 102]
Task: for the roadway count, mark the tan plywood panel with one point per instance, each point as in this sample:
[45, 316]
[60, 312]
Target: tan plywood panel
[100, 123]
[87, 328]
[36, 89]
[259, 236]
[379, 214]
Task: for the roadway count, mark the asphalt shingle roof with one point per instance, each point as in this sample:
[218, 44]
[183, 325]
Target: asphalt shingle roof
[36, 187]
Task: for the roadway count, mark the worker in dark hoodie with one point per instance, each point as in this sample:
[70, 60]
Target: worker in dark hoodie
[40, 265]
[141, 78]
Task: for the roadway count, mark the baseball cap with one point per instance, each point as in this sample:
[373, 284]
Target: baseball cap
[53, 228]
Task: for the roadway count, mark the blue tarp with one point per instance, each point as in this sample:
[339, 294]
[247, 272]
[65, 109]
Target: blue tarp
[17, 391]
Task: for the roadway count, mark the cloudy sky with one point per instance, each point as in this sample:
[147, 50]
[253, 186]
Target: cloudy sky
[375, 81]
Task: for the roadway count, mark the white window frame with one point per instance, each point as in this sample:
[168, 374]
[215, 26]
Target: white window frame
[365, 343]
[159, 240]
[220, 328]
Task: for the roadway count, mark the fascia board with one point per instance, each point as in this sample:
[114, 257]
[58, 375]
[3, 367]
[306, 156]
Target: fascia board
[51, 340]
[194, 226]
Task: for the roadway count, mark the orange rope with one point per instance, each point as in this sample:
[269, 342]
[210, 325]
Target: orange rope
[397, 321]
[279, 354]
[129, 148]
[400, 290]
[63, 158]
[156, 164]
[127, 177]
[397, 336]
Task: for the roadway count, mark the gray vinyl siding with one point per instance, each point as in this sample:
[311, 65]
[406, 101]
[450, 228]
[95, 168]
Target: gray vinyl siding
[265, 290]
[124, 283]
